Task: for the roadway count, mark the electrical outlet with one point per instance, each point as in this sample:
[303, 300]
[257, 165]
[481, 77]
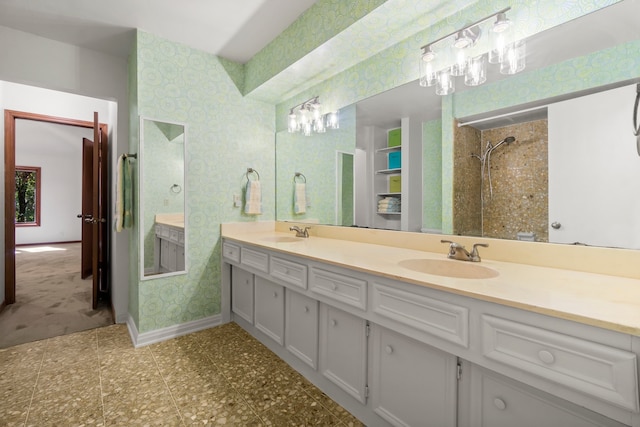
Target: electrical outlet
[237, 201]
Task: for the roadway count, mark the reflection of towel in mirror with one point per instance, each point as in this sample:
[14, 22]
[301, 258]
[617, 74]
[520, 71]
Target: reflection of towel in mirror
[124, 194]
[300, 198]
[253, 198]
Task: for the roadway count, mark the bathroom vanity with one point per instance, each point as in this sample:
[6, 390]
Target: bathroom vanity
[169, 243]
[392, 334]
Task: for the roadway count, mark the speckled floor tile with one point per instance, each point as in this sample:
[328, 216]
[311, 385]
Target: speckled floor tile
[140, 405]
[300, 409]
[76, 406]
[217, 377]
[14, 414]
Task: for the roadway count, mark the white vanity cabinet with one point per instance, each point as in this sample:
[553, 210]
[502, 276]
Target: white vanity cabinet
[301, 327]
[492, 400]
[242, 293]
[343, 350]
[400, 354]
[269, 309]
[169, 248]
[412, 384]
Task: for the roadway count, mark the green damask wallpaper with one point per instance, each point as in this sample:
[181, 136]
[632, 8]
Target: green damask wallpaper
[226, 133]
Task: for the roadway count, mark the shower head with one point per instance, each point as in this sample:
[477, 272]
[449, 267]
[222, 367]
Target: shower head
[509, 139]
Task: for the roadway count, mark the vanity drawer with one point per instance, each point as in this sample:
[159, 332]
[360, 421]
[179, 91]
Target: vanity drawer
[181, 238]
[174, 235]
[441, 319]
[255, 259]
[231, 251]
[288, 271]
[339, 287]
[600, 371]
[162, 231]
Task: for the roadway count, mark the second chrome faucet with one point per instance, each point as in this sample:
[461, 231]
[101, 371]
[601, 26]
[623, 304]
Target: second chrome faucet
[299, 231]
[457, 251]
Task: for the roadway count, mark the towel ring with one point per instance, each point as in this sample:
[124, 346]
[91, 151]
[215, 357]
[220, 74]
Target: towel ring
[175, 188]
[250, 171]
[299, 175]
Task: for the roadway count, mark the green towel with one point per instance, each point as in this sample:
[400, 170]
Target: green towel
[127, 194]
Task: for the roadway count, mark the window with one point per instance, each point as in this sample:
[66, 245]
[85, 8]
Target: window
[27, 196]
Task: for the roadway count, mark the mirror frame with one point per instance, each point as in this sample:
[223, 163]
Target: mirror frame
[141, 193]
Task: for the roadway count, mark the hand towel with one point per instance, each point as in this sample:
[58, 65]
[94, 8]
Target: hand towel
[127, 193]
[253, 198]
[300, 198]
[119, 202]
[124, 194]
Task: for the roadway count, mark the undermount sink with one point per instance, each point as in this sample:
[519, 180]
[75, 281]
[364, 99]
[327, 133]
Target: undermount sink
[282, 239]
[449, 268]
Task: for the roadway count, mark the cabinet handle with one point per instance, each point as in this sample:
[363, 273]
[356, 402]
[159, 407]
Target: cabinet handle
[333, 322]
[286, 271]
[334, 286]
[275, 295]
[306, 309]
[388, 349]
[546, 357]
[499, 403]
[247, 281]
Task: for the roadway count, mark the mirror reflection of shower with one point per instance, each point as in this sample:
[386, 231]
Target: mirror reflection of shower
[485, 161]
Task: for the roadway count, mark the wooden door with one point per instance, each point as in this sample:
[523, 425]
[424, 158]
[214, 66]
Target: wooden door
[99, 210]
[87, 208]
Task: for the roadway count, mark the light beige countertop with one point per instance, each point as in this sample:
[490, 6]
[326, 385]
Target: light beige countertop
[172, 220]
[606, 301]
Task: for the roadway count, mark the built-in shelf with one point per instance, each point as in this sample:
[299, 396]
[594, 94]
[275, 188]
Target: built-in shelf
[389, 171]
[389, 194]
[389, 213]
[389, 149]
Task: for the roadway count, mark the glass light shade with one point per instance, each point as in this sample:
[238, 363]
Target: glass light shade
[459, 67]
[303, 117]
[500, 39]
[306, 128]
[333, 121]
[445, 83]
[514, 58]
[293, 124]
[428, 73]
[319, 126]
[476, 71]
[316, 111]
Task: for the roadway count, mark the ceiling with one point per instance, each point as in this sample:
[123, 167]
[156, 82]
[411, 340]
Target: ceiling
[233, 29]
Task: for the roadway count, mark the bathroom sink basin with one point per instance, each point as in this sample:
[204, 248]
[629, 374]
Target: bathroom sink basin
[282, 239]
[449, 268]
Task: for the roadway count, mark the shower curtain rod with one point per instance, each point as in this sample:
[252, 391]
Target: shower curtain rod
[499, 116]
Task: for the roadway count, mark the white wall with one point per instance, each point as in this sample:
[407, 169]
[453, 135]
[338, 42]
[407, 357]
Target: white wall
[67, 70]
[57, 150]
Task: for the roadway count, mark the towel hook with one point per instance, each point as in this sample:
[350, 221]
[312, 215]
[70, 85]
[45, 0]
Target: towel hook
[299, 175]
[175, 188]
[250, 171]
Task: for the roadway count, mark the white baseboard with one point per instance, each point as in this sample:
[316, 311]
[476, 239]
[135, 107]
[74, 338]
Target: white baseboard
[163, 334]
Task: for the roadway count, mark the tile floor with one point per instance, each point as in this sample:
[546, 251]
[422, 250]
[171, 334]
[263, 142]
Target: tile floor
[219, 376]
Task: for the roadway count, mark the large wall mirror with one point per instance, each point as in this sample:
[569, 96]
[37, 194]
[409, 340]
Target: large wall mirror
[161, 161]
[573, 169]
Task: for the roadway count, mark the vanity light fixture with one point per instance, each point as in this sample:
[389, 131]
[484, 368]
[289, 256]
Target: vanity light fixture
[465, 53]
[309, 118]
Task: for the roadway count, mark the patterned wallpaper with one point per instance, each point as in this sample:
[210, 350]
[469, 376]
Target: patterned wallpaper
[226, 133]
[432, 175]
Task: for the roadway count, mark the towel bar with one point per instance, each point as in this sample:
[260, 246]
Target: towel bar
[250, 171]
[299, 175]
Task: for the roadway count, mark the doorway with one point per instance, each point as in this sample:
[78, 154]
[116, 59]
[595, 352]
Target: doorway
[64, 240]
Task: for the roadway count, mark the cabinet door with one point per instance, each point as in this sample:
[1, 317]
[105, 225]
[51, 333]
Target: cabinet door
[269, 314]
[343, 350]
[180, 264]
[301, 327]
[242, 293]
[412, 382]
[167, 255]
[496, 401]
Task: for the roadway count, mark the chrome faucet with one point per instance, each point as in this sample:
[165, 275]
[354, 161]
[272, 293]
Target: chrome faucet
[457, 251]
[300, 232]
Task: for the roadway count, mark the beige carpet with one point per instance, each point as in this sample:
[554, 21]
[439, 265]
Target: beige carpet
[51, 298]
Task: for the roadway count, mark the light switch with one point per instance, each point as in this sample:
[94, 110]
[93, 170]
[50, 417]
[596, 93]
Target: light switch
[237, 201]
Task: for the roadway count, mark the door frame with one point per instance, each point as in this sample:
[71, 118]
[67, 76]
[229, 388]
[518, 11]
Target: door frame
[10, 117]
